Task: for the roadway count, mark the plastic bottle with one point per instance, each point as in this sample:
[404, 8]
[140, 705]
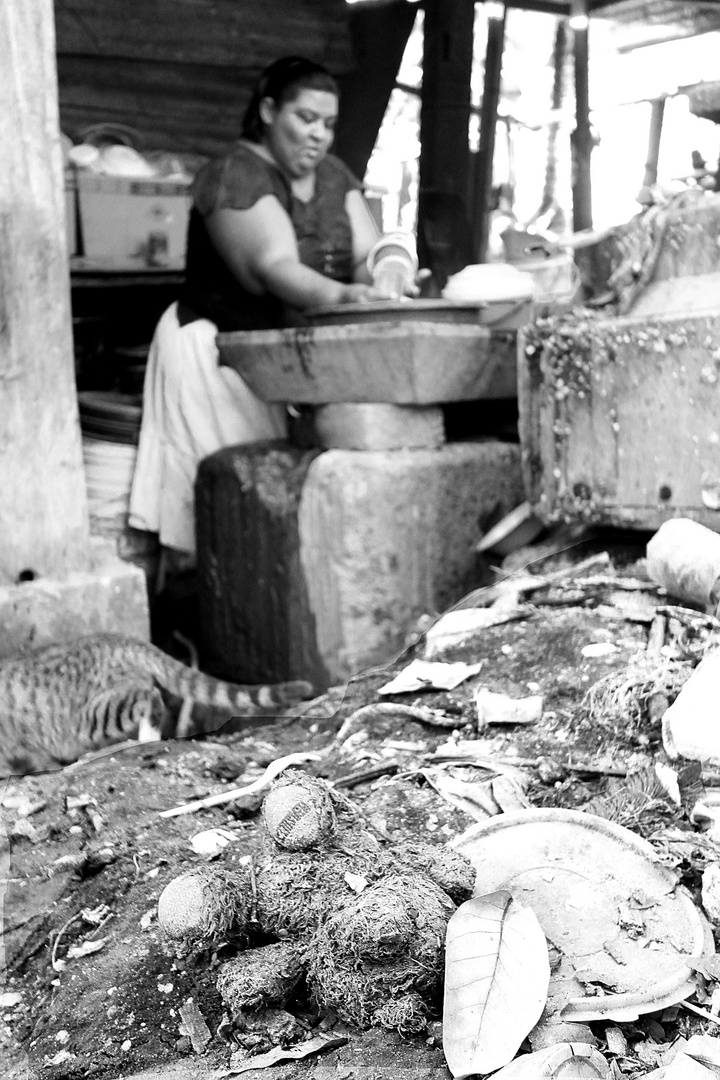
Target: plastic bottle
[684, 557]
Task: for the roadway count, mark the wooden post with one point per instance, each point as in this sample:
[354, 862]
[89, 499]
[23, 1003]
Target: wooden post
[379, 35]
[582, 142]
[656, 122]
[482, 187]
[43, 509]
[444, 121]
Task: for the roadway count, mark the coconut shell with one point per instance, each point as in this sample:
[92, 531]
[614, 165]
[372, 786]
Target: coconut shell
[202, 908]
[298, 812]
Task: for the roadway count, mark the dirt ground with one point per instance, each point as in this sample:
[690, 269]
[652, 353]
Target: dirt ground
[90, 839]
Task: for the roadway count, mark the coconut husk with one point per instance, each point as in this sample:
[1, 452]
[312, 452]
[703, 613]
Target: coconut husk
[263, 976]
[447, 868]
[298, 812]
[406, 1013]
[623, 701]
[297, 891]
[204, 908]
[265, 1029]
[387, 942]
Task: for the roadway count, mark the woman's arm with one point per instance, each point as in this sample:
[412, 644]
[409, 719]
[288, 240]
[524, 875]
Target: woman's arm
[364, 232]
[260, 248]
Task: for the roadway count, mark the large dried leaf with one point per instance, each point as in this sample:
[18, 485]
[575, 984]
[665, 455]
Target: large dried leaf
[497, 974]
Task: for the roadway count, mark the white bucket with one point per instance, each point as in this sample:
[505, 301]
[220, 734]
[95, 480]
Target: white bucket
[556, 277]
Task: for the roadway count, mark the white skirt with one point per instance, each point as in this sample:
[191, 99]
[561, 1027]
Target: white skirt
[191, 408]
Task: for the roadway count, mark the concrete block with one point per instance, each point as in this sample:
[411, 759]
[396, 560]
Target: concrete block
[110, 596]
[366, 426]
[387, 537]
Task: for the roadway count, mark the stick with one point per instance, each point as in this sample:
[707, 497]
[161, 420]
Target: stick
[354, 779]
[656, 636]
[274, 769]
[700, 1012]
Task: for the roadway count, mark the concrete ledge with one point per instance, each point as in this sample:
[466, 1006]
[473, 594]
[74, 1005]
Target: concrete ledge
[111, 596]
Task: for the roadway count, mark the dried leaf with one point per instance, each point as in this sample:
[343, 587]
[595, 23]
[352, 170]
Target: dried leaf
[279, 1053]
[497, 974]
[86, 948]
[475, 799]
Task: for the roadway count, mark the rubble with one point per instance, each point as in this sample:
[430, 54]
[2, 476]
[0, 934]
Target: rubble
[421, 770]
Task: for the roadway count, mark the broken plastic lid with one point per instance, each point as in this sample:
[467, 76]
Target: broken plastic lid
[626, 933]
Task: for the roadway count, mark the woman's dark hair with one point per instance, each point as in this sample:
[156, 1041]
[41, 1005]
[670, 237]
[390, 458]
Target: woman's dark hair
[282, 82]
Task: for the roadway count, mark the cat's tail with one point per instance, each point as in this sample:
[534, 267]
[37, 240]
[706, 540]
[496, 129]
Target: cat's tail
[238, 700]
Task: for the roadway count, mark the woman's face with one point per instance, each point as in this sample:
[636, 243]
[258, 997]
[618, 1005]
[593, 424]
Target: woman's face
[299, 132]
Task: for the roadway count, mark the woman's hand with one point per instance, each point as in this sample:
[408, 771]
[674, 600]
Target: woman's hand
[362, 294]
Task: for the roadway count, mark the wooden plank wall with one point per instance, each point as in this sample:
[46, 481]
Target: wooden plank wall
[180, 71]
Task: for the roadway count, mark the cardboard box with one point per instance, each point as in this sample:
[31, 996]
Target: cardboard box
[132, 224]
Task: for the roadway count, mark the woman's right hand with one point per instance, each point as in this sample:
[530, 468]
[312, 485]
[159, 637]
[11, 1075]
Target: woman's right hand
[362, 294]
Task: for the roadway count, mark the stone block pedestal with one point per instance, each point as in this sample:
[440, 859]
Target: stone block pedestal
[318, 564]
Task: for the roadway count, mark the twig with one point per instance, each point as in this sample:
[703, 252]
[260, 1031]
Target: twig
[689, 617]
[700, 1012]
[523, 763]
[53, 958]
[656, 635]
[274, 769]
[354, 779]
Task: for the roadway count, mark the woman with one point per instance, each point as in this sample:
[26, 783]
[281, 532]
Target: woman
[278, 226]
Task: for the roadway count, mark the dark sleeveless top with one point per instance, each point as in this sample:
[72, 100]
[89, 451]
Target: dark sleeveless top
[322, 228]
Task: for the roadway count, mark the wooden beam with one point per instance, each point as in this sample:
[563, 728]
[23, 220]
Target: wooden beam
[43, 510]
[444, 119]
[482, 188]
[656, 123]
[582, 140]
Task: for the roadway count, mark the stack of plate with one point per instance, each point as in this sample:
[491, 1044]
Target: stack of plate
[110, 417]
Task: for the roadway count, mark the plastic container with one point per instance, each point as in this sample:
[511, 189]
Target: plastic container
[684, 557]
[556, 277]
[130, 223]
[690, 727]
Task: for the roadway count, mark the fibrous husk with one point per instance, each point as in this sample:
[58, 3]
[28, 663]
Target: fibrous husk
[297, 891]
[406, 1013]
[626, 701]
[263, 976]
[261, 1030]
[447, 868]
[203, 908]
[298, 812]
[387, 942]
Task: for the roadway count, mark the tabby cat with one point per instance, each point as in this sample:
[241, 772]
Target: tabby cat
[62, 701]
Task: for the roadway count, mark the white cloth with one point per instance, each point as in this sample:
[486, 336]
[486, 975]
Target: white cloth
[191, 408]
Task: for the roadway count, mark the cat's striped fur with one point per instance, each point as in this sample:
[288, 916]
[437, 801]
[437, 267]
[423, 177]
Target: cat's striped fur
[62, 701]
